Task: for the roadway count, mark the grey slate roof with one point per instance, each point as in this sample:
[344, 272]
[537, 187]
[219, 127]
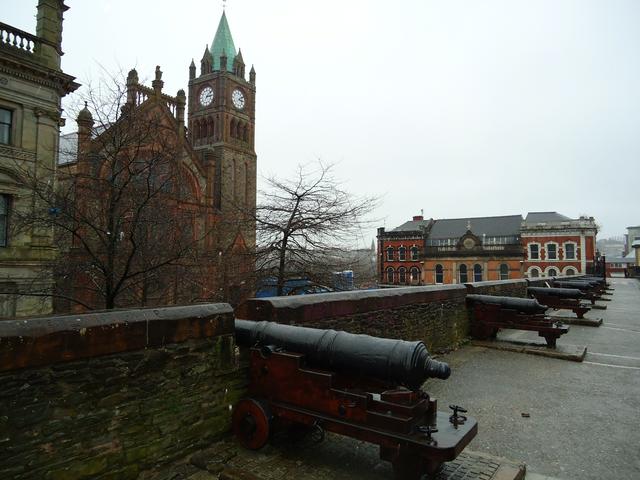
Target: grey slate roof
[626, 259]
[545, 217]
[411, 226]
[68, 148]
[507, 225]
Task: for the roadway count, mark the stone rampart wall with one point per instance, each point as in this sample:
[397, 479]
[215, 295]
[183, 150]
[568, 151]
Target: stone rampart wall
[106, 395]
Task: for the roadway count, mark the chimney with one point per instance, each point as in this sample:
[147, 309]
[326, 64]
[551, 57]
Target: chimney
[418, 218]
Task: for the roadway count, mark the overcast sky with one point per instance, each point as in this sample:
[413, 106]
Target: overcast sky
[460, 108]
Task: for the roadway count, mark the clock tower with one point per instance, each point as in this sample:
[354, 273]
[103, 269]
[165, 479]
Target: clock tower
[221, 122]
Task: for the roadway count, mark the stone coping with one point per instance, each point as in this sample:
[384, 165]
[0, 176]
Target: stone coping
[42, 341]
[495, 283]
[315, 307]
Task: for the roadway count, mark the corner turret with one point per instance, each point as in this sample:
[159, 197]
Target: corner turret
[205, 63]
[238, 65]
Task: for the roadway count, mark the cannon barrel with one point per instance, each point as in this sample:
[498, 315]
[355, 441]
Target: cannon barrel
[399, 361]
[522, 305]
[556, 292]
[592, 279]
[582, 285]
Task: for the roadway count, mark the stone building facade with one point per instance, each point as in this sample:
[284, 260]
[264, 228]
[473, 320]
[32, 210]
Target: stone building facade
[32, 84]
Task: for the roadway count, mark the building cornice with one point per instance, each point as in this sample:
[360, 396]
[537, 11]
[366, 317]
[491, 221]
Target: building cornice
[25, 69]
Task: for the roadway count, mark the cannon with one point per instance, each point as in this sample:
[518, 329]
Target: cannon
[560, 298]
[600, 280]
[364, 387]
[491, 313]
[590, 289]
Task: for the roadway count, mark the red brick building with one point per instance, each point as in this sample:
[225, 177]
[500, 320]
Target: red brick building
[202, 184]
[461, 250]
[400, 252]
[558, 245]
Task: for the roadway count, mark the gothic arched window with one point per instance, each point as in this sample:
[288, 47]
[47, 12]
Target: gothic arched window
[415, 275]
[440, 274]
[402, 274]
[477, 272]
[462, 274]
[390, 275]
[232, 128]
[504, 271]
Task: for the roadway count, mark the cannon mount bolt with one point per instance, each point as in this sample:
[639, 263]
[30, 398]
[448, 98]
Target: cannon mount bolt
[427, 430]
[455, 418]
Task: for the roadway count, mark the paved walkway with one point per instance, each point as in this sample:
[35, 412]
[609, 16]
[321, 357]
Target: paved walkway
[583, 421]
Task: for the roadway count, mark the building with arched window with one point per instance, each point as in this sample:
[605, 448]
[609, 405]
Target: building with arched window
[460, 250]
[401, 248]
[558, 245]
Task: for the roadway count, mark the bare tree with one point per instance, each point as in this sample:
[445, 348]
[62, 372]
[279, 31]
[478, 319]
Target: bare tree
[127, 225]
[304, 222]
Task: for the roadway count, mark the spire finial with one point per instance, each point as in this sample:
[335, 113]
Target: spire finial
[224, 5]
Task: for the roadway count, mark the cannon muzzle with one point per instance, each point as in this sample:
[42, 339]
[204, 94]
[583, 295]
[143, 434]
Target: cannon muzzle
[397, 361]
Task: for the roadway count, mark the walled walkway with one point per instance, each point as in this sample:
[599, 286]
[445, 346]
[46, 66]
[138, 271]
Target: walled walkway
[583, 418]
[563, 419]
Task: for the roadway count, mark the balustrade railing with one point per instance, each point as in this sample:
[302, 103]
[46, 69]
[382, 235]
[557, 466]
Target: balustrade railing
[142, 93]
[18, 39]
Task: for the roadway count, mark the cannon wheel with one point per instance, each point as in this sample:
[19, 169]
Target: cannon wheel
[251, 423]
[409, 465]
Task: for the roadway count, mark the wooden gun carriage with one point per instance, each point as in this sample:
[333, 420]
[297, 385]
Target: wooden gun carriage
[491, 313]
[561, 298]
[363, 387]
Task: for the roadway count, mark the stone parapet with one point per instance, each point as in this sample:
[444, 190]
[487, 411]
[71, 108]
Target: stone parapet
[503, 288]
[434, 314]
[108, 394]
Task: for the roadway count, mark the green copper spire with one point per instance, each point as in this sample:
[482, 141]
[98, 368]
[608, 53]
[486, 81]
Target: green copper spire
[223, 42]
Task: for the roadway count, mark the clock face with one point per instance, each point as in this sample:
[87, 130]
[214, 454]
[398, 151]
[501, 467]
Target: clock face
[238, 99]
[206, 96]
